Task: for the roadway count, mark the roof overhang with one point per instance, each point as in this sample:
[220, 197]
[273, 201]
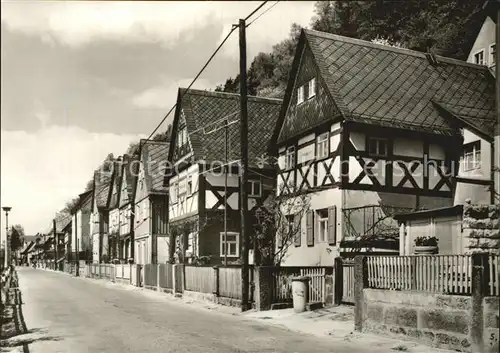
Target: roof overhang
[436, 212]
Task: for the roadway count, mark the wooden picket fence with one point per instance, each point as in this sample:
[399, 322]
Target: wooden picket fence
[283, 277]
[449, 274]
[200, 279]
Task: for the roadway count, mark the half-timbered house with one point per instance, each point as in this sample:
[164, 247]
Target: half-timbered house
[369, 131]
[126, 205]
[151, 204]
[99, 215]
[204, 215]
[80, 237]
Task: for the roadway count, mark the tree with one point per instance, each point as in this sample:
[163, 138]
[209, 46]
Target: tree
[276, 226]
[163, 136]
[447, 27]
[70, 205]
[16, 239]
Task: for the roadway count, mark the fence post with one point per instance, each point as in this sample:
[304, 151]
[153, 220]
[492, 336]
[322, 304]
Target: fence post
[360, 282]
[158, 277]
[216, 281]
[338, 281]
[480, 283]
[413, 270]
[263, 278]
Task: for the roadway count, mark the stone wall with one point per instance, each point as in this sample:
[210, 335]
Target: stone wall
[491, 323]
[481, 228]
[443, 321]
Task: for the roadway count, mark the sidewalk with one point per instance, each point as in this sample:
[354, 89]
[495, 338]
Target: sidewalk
[337, 323]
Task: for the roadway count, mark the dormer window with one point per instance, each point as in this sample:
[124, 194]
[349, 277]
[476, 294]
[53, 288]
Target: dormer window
[182, 137]
[306, 91]
[377, 147]
[479, 57]
[300, 94]
[290, 158]
[312, 88]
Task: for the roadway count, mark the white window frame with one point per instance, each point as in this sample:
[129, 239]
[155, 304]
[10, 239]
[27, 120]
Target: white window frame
[322, 148]
[378, 140]
[290, 157]
[476, 54]
[492, 56]
[473, 157]
[237, 242]
[252, 184]
[300, 94]
[312, 88]
[322, 236]
[175, 192]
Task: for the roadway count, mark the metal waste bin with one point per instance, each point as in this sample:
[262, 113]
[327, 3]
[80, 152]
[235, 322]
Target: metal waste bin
[300, 292]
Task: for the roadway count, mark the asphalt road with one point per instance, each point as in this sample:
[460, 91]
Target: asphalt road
[66, 314]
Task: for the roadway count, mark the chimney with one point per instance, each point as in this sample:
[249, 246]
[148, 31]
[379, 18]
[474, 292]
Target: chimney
[429, 54]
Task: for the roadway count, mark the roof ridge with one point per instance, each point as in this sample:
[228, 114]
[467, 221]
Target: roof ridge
[405, 51]
[230, 95]
[154, 142]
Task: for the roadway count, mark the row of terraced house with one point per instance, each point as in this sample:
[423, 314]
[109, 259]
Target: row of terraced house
[367, 131]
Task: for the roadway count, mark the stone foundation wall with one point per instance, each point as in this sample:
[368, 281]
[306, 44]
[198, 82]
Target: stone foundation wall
[481, 228]
[437, 320]
[443, 321]
[491, 325]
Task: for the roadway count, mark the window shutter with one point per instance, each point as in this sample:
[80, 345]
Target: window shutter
[332, 225]
[310, 228]
[297, 230]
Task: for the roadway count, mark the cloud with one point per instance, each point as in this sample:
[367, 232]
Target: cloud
[164, 96]
[78, 23]
[43, 170]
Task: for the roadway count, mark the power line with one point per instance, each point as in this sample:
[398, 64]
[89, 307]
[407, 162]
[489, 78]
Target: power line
[254, 11]
[192, 82]
[269, 8]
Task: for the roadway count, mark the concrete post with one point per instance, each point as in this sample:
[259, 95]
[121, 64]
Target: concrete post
[158, 288]
[263, 287]
[480, 281]
[360, 282]
[216, 281]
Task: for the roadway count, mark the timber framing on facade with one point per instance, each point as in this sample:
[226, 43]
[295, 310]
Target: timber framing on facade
[151, 204]
[367, 124]
[205, 179]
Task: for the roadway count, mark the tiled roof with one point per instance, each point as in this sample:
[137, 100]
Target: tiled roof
[117, 179]
[102, 184]
[28, 238]
[204, 111]
[154, 156]
[130, 172]
[62, 221]
[396, 87]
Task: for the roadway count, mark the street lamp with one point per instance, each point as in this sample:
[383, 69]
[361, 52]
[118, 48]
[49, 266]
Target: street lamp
[7, 210]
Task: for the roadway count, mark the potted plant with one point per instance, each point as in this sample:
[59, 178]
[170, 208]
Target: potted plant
[426, 245]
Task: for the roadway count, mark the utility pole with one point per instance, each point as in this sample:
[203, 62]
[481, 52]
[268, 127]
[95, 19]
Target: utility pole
[55, 242]
[496, 141]
[244, 165]
[226, 169]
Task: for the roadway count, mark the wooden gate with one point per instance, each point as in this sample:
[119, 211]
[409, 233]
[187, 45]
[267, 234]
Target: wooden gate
[344, 281]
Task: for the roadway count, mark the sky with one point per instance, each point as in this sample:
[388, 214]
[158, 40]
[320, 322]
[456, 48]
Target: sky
[80, 80]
